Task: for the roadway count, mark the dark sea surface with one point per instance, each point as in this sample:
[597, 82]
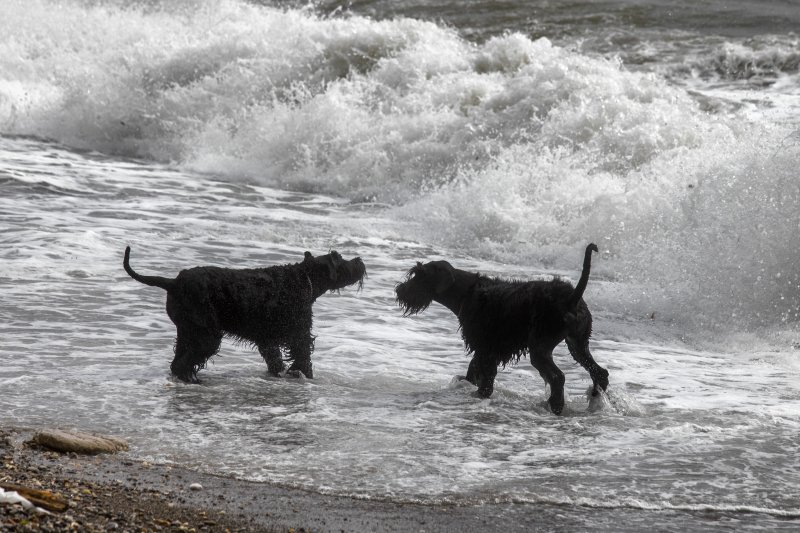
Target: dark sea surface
[501, 136]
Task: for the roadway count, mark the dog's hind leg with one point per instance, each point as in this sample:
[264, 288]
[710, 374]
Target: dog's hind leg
[579, 349]
[579, 328]
[193, 347]
[272, 356]
[542, 360]
[300, 355]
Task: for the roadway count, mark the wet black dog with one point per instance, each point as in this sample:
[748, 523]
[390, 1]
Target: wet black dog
[268, 307]
[502, 320]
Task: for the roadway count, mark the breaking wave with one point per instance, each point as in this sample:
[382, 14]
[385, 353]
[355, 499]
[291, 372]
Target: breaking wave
[515, 149]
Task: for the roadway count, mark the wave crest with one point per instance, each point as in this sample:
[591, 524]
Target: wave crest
[516, 149]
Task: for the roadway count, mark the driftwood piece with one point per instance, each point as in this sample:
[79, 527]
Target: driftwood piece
[77, 442]
[40, 498]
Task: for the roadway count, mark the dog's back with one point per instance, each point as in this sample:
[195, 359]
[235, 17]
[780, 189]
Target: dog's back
[242, 302]
[498, 306]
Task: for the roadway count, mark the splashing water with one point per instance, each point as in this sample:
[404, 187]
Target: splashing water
[258, 133]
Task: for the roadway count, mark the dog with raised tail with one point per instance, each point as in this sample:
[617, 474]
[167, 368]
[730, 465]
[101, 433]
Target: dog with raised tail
[270, 308]
[501, 321]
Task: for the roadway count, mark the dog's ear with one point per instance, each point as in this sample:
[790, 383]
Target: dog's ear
[419, 268]
[445, 276]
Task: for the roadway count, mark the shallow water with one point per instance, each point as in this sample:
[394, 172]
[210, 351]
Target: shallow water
[385, 418]
[244, 135]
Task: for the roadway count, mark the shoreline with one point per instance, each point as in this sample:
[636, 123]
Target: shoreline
[112, 492]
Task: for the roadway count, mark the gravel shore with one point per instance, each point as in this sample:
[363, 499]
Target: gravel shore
[111, 492]
[102, 495]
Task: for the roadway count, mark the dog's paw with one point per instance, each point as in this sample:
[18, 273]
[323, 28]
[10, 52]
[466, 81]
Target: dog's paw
[556, 405]
[483, 394]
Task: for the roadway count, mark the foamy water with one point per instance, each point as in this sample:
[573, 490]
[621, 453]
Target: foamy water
[87, 347]
[238, 135]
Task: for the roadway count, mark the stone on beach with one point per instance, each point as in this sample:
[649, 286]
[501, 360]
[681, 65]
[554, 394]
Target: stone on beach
[78, 442]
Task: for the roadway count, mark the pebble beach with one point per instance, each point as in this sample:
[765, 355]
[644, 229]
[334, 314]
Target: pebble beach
[111, 492]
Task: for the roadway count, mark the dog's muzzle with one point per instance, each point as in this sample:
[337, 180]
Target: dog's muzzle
[350, 272]
[412, 297]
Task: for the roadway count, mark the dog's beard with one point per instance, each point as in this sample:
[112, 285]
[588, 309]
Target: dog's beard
[362, 275]
[359, 281]
[411, 302]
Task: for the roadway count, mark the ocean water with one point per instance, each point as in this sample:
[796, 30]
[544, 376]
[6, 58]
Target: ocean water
[502, 136]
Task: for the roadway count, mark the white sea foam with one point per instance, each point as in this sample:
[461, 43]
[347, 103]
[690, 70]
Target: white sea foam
[635, 503]
[515, 149]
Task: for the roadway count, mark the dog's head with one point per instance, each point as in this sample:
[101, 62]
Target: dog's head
[332, 272]
[423, 284]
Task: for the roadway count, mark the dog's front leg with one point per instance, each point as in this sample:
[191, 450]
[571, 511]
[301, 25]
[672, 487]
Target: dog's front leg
[472, 372]
[485, 370]
[272, 356]
[300, 354]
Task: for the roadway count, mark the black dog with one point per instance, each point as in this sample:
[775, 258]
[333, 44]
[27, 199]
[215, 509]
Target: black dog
[502, 320]
[268, 307]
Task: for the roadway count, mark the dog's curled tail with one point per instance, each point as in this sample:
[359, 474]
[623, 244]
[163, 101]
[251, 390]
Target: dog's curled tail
[577, 294]
[153, 281]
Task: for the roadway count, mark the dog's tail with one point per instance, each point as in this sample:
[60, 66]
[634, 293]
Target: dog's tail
[577, 294]
[154, 281]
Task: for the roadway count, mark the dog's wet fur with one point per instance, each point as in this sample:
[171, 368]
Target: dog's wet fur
[501, 321]
[270, 308]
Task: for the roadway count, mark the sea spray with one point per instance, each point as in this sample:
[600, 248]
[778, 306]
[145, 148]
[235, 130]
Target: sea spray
[513, 149]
